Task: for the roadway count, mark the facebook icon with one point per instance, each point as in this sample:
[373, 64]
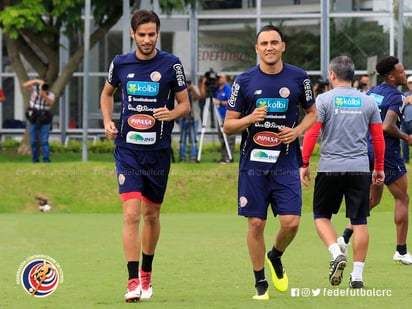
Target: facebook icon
[294, 292]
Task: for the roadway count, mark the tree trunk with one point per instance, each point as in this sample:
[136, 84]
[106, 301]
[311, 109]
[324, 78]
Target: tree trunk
[18, 67]
[24, 147]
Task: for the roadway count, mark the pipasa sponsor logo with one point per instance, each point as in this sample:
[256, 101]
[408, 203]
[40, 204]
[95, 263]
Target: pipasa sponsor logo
[141, 122]
[150, 89]
[266, 139]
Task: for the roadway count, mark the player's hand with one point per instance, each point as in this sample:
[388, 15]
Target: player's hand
[378, 178]
[258, 115]
[110, 130]
[305, 175]
[287, 135]
[162, 114]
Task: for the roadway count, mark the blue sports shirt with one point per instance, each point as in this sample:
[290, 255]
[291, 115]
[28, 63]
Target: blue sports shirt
[146, 85]
[282, 93]
[387, 98]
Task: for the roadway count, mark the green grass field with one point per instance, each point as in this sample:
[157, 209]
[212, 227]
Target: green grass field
[202, 259]
[201, 262]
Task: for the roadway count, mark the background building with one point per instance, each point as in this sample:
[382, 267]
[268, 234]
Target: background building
[221, 36]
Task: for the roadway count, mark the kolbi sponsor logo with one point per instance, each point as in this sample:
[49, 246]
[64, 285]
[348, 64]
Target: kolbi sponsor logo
[142, 88]
[273, 105]
[141, 122]
[347, 102]
[378, 98]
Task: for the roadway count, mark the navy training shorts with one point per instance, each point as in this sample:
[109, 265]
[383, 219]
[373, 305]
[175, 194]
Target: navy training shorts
[257, 189]
[143, 171]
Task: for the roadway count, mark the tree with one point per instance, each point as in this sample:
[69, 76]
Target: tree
[32, 31]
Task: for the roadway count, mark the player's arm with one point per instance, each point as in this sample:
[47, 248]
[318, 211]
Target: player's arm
[106, 106]
[235, 124]
[181, 109]
[288, 135]
[378, 142]
[309, 142]
[389, 127]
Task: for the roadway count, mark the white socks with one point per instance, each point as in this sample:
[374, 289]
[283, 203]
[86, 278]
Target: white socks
[334, 249]
[357, 271]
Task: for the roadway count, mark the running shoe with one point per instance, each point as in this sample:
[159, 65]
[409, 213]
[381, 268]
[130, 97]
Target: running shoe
[133, 291]
[261, 290]
[402, 258]
[279, 276]
[146, 284]
[355, 284]
[343, 245]
[336, 269]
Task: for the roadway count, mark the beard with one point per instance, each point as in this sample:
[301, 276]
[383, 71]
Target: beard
[146, 50]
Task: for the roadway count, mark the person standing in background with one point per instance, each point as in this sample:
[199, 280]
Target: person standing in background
[189, 125]
[40, 117]
[220, 98]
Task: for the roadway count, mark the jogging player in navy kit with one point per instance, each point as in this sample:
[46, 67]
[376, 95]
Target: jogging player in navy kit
[264, 107]
[149, 80]
[391, 103]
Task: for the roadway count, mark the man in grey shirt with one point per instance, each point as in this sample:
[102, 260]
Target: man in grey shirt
[345, 116]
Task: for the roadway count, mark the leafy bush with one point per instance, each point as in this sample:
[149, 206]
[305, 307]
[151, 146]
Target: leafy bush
[9, 144]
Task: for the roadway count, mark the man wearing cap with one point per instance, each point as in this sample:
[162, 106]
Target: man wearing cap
[406, 125]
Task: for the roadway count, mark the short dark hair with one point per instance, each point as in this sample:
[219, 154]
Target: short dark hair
[144, 16]
[386, 65]
[270, 28]
[343, 67]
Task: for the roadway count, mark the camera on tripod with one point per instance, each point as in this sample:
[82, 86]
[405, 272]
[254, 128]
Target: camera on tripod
[211, 79]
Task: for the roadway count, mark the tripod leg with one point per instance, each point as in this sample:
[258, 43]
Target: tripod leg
[202, 133]
[220, 123]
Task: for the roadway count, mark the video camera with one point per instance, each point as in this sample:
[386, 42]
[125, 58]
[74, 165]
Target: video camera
[211, 77]
[44, 86]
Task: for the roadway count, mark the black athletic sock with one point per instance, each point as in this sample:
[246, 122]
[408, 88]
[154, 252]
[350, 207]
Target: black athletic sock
[133, 269]
[275, 255]
[347, 233]
[259, 275]
[147, 261]
[401, 249]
